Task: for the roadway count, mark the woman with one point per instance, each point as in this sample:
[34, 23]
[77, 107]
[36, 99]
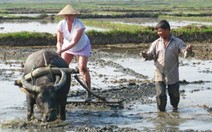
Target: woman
[72, 40]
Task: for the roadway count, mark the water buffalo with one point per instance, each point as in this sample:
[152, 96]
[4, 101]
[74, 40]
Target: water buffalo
[48, 91]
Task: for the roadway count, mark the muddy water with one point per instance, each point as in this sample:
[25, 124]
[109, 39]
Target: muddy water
[194, 109]
[195, 100]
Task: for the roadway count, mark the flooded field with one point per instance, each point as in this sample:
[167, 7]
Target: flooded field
[117, 69]
[152, 22]
[9, 27]
[50, 27]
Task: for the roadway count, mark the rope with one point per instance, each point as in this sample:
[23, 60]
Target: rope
[48, 65]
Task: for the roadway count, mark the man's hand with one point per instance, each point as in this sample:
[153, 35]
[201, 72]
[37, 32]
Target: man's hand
[144, 54]
[189, 48]
[188, 52]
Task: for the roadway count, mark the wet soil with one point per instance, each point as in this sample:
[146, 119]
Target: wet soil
[202, 51]
[130, 91]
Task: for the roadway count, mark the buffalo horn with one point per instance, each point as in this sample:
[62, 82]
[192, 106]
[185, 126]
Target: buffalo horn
[45, 70]
[29, 86]
[62, 81]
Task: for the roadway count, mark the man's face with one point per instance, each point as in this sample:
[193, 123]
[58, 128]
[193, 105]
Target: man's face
[163, 33]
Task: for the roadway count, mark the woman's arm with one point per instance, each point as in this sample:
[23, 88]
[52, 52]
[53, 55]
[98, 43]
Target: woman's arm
[75, 40]
[59, 40]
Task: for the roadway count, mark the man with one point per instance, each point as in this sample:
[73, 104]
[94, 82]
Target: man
[165, 53]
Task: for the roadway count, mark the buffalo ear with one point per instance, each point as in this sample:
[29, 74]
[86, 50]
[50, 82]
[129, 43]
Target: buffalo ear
[25, 91]
[18, 83]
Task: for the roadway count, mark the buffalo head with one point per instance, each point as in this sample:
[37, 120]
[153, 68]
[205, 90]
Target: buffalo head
[46, 88]
[45, 95]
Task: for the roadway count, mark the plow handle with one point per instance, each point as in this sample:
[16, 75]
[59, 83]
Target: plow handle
[87, 89]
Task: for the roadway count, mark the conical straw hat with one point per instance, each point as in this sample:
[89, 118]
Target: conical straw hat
[68, 10]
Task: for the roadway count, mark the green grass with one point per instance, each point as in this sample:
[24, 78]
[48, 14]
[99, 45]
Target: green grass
[117, 8]
[111, 4]
[115, 36]
[111, 25]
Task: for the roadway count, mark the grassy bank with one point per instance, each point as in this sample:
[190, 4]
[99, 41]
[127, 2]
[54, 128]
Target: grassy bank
[116, 36]
[26, 39]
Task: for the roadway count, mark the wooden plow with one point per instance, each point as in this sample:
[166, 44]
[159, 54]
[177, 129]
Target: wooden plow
[46, 70]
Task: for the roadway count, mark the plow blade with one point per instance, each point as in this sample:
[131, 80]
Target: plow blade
[110, 102]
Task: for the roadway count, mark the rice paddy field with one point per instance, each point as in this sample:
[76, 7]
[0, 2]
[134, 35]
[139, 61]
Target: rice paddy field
[120, 30]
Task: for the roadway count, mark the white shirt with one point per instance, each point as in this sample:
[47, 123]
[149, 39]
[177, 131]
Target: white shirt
[68, 36]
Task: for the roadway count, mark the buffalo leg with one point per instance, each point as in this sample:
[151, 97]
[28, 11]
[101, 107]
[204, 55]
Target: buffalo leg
[30, 104]
[62, 112]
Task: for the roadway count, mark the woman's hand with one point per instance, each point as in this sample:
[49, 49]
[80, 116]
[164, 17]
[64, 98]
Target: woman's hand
[59, 51]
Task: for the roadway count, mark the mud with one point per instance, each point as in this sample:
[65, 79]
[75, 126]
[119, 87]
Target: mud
[133, 91]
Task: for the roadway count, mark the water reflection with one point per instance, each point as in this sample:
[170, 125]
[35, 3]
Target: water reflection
[9, 27]
[164, 121]
[177, 24]
[173, 24]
